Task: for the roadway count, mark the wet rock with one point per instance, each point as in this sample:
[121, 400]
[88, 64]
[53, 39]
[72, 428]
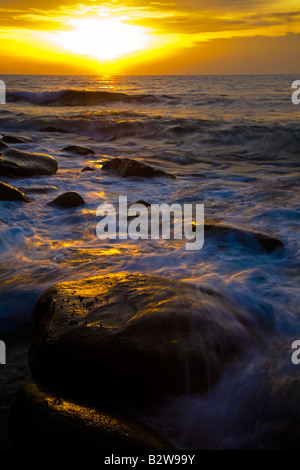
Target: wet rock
[9, 193]
[68, 200]
[137, 337]
[141, 201]
[248, 238]
[3, 146]
[88, 168]
[54, 129]
[126, 167]
[41, 419]
[78, 150]
[18, 163]
[11, 139]
[38, 188]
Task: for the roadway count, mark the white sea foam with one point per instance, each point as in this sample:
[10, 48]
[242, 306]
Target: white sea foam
[236, 153]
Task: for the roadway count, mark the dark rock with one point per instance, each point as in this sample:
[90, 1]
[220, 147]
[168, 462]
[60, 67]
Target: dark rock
[9, 193]
[38, 188]
[249, 238]
[268, 242]
[137, 337]
[3, 146]
[196, 175]
[41, 419]
[54, 129]
[68, 200]
[79, 150]
[11, 139]
[18, 163]
[141, 201]
[126, 167]
[88, 168]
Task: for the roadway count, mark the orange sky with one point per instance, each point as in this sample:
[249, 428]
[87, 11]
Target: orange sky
[142, 37]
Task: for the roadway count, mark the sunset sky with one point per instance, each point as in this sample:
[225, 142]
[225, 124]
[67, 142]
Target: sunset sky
[158, 37]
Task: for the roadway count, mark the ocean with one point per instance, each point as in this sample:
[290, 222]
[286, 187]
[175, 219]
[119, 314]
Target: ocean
[233, 143]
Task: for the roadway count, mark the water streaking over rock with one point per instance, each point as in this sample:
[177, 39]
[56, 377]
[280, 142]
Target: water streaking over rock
[232, 144]
[159, 336]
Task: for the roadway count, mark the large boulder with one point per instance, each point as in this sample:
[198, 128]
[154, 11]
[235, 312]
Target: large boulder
[126, 167]
[137, 337]
[68, 200]
[41, 419]
[18, 163]
[248, 238]
[9, 193]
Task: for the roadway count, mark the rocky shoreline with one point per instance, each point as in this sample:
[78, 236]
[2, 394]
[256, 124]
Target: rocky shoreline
[105, 347]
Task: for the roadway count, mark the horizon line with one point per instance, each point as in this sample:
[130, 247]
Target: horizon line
[148, 75]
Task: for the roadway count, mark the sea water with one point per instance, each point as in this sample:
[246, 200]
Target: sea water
[233, 143]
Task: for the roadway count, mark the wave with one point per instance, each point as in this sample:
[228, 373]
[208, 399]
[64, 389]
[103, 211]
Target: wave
[238, 141]
[84, 98]
[73, 97]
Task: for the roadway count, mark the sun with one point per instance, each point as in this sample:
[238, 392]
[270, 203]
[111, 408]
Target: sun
[103, 38]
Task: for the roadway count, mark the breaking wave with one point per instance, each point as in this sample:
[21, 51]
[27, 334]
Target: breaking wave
[84, 98]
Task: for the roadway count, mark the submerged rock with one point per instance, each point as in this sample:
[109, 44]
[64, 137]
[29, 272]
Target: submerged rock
[88, 168]
[41, 419]
[137, 337]
[141, 201]
[68, 200]
[18, 163]
[54, 129]
[3, 146]
[11, 139]
[126, 167]
[79, 150]
[38, 188]
[248, 238]
[9, 193]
